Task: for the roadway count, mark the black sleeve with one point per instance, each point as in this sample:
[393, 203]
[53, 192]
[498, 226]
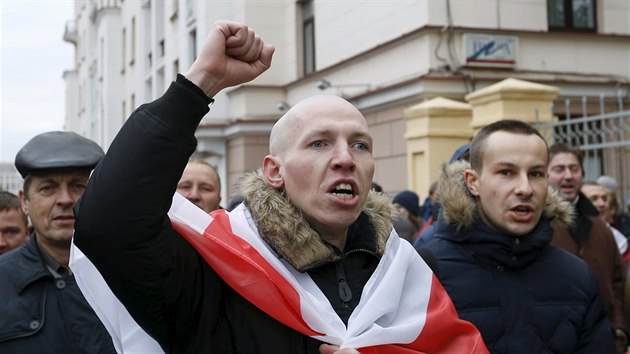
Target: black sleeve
[122, 224]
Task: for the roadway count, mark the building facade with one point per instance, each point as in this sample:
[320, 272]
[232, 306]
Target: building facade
[383, 56]
[10, 179]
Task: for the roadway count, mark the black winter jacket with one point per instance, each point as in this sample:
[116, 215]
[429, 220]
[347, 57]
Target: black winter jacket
[523, 294]
[41, 314]
[165, 284]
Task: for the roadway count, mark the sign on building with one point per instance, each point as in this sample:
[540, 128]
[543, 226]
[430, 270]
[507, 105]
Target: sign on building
[490, 49]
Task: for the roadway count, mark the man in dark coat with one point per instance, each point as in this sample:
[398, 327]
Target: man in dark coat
[492, 246]
[588, 237]
[309, 235]
[43, 310]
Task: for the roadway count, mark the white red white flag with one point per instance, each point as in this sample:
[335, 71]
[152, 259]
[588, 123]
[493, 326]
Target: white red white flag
[403, 307]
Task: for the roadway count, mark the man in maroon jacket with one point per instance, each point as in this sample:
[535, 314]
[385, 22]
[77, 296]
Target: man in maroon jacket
[589, 238]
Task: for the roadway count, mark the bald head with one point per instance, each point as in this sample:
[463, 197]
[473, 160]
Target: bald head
[321, 155]
[304, 111]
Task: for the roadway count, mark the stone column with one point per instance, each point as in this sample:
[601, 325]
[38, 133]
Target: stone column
[512, 99]
[435, 129]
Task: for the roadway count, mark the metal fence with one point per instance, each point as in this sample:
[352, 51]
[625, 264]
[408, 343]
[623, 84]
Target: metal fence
[604, 139]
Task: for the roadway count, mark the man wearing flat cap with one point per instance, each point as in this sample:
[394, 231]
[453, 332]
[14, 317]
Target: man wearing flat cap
[43, 310]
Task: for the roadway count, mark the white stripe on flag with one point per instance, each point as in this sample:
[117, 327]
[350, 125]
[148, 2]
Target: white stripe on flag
[127, 336]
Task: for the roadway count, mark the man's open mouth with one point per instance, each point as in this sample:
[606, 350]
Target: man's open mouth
[343, 191]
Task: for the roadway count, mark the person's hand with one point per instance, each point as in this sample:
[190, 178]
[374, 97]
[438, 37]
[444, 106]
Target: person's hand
[231, 55]
[334, 349]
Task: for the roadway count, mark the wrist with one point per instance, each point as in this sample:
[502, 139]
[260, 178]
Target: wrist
[181, 79]
[207, 83]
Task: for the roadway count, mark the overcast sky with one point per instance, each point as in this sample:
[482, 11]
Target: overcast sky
[33, 59]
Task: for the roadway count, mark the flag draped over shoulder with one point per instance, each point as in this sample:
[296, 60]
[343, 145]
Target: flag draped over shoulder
[403, 308]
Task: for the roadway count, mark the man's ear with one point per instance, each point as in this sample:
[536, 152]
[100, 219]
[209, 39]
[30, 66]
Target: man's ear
[271, 171]
[24, 202]
[472, 182]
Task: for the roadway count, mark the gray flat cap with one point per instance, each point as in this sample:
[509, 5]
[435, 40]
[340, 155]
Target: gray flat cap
[57, 151]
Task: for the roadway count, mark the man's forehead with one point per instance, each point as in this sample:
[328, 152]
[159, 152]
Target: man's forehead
[323, 106]
[61, 175]
[199, 166]
[12, 218]
[11, 212]
[502, 143]
[593, 189]
[563, 159]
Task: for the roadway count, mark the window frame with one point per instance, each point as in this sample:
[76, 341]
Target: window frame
[568, 23]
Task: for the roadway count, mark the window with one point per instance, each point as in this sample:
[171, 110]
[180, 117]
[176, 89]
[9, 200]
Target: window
[124, 49]
[132, 54]
[175, 69]
[308, 37]
[124, 111]
[161, 48]
[575, 15]
[192, 45]
[175, 10]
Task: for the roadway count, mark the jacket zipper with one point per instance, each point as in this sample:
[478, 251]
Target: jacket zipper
[345, 294]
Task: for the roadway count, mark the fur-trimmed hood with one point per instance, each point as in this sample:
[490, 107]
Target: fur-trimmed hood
[283, 227]
[459, 207]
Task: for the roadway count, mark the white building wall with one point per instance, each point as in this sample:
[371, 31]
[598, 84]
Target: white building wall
[72, 100]
[346, 29]
[108, 80]
[565, 53]
[391, 47]
[614, 17]
[10, 179]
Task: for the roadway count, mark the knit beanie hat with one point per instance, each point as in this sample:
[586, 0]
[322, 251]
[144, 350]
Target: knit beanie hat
[608, 182]
[409, 200]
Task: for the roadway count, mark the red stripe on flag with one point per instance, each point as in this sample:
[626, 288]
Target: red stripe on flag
[247, 271]
[443, 331]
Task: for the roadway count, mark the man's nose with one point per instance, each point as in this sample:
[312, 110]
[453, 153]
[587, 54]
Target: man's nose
[193, 194]
[523, 187]
[343, 157]
[65, 197]
[567, 174]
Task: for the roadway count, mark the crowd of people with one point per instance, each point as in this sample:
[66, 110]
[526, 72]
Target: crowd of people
[510, 251]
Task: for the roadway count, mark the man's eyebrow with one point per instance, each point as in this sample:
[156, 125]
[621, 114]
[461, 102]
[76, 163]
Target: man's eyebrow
[504, 164]
[318, 132]
[326, 132]
[48, 180]
[362, 135]
[565, 165]
[513, 165]
[539, 167]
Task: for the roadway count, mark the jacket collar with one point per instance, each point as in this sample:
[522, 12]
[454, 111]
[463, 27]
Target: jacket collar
[282, 226]
[581, 224]
[585, 207]
[30, 266]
